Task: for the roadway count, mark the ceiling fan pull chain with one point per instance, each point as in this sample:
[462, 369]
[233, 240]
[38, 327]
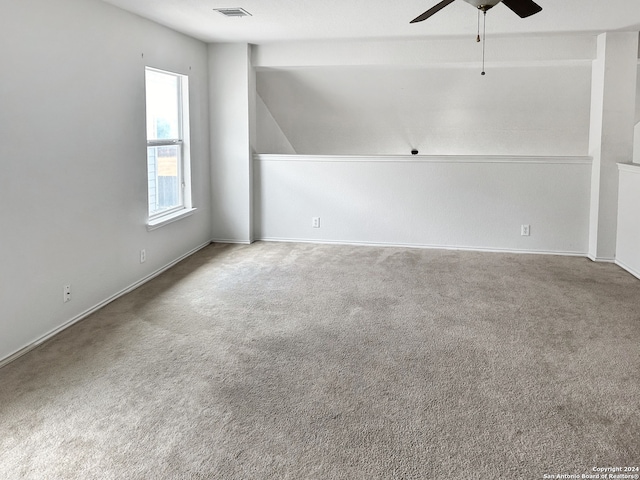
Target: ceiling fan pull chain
[478, 37]
[484, 39]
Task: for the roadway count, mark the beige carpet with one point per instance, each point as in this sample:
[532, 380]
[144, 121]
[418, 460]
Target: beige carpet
[299, 361]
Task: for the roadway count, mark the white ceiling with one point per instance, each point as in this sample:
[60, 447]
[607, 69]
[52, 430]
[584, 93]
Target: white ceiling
[283, 20]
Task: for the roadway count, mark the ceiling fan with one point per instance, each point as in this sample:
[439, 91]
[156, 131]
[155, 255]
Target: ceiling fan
[523, 8]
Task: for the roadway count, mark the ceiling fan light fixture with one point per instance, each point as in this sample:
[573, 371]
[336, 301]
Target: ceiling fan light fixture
[483, 5]
[522, 8]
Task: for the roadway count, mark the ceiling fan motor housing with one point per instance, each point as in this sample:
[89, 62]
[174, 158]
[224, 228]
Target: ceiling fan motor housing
[483, 5]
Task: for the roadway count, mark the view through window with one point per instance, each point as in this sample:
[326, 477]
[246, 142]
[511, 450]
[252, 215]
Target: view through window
[166, 98]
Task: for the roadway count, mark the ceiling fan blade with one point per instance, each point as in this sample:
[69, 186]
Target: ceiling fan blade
[431, 11]
[523, 8]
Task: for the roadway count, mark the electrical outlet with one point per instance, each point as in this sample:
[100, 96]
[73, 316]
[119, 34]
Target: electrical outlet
[66, 293]
[315, 222]
[143, 255]
[525, 230]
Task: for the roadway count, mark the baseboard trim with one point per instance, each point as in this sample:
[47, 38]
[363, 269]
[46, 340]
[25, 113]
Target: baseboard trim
[231, 240]
[601, 259]
[426, 246]
[518, 159]
[86, 313]
[632, 271]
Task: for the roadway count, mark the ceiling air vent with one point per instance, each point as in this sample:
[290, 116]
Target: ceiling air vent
[233, 12]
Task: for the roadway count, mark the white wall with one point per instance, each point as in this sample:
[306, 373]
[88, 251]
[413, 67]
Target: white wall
[505, 149]
[637, 115]
[628, 234]
[636, 143]
[461, 202]
[365, 110]
[232, 107]
[507, 50]
[628, 240]
[611, 134]
[636, 132]
[73, 200]
[387, 97]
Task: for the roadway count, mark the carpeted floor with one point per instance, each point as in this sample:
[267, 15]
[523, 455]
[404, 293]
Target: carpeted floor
[300, 361]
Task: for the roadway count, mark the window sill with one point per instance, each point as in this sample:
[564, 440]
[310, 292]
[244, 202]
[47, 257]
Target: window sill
[167, 219]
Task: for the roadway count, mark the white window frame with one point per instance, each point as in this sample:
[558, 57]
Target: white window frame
[185, 207]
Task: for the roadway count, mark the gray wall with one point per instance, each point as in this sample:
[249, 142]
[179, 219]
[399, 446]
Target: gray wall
[360, 110]
[73, 203]
[500, 151]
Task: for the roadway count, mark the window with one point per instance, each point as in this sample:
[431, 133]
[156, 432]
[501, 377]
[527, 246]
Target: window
[167, 145]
